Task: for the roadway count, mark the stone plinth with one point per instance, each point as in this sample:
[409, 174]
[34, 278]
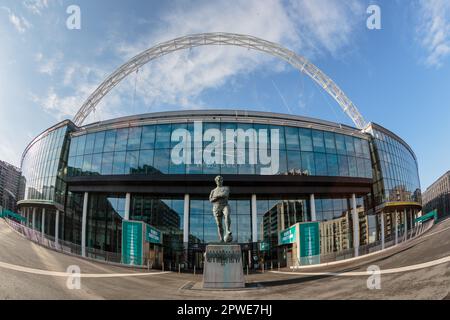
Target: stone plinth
[223, 267]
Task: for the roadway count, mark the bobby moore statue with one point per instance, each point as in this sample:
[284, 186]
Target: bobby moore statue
[219, 198]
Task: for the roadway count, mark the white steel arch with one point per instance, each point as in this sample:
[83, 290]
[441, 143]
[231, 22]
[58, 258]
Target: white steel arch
[227, 39]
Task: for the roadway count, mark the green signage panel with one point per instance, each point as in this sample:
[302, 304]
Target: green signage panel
[428, 216]
[153, 235]
[309, 243]
[132, 242]
[263, 246]
[288, 235]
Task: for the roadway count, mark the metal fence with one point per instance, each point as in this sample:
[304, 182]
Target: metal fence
[116, 258]
[69, 247]
[377, 245]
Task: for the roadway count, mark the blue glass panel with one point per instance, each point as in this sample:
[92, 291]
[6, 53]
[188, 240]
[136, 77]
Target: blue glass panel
[161, 160]
[97, 163]
[349, 144]
[305, 139]
[121, 140]
[73, 147]
[330, 144]
[321, 164]
[99, 141]
[132, 162]
[340, 144]
[89, 147]
[146, 162]
[110, 141]
[119, 162]
[134, 138]
[107, 162]
[318, 142]
[148, 137]
[163, 135]
[308, 163]
[332, 164]
[343, 166]
[292, 138]
[294, 161]
[81, 144]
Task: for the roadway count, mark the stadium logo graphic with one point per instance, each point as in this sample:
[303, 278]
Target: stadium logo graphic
[231, 147]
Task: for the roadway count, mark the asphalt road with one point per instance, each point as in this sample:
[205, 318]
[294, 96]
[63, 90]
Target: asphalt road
[28, 271]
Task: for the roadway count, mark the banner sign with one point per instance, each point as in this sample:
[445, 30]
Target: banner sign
[132, 242]
[263, 246]
[288, 235]
[153, 235]
[309, 243]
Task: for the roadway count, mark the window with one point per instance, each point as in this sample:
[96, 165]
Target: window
[305, 139]
[163, 134]
[330, 145]
[318, 142]
[308, 163]
[134, 138]
[131, 162]
[148, 137]
[110, 141]
[292, 138]
[119, 162]
[332, 163]
[121, 140]
[321, 164]
[99, 141]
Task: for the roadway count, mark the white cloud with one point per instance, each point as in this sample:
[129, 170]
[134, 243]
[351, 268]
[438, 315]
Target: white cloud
[307, 27]
[434, 30]
[20, 23]
[50, 65]
[36, 6]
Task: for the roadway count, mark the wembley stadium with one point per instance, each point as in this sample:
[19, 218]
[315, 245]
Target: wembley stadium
[134, 190]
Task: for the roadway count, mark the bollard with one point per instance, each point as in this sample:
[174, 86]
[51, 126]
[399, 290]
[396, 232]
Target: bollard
[271, 265]
[262, 266]
[194, 270]
[163, 266]
[247, 269]
[278, 266]
[179, 268]
[148, 265]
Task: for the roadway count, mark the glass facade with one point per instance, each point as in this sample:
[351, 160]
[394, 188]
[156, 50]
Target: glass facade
[396, 175]
[203, 228]
[148, 150]
[167, 215]
[44, 167]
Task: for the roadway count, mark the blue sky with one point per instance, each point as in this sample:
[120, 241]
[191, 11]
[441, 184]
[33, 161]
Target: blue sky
[398, 76]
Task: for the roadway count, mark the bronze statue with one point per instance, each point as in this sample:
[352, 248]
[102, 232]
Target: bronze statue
[219, 198]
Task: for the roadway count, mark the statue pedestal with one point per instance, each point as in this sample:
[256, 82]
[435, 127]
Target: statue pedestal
[223, 267]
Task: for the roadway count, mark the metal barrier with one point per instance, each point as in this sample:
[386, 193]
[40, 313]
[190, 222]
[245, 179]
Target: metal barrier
[116, 258]
[69, 247]
[377, 245]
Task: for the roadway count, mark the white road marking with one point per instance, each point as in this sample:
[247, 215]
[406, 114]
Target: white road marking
[82, 275]
[366, 273]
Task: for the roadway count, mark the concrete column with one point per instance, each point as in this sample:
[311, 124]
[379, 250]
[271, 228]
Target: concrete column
[34, 219]
[43, 222]
[57, 227]
[355, 219]
[396, 227]
[312, 201]
[382, 230]
[83, 224]
[254, 220]
[186, 219]
[411, 219]
[127, 207]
